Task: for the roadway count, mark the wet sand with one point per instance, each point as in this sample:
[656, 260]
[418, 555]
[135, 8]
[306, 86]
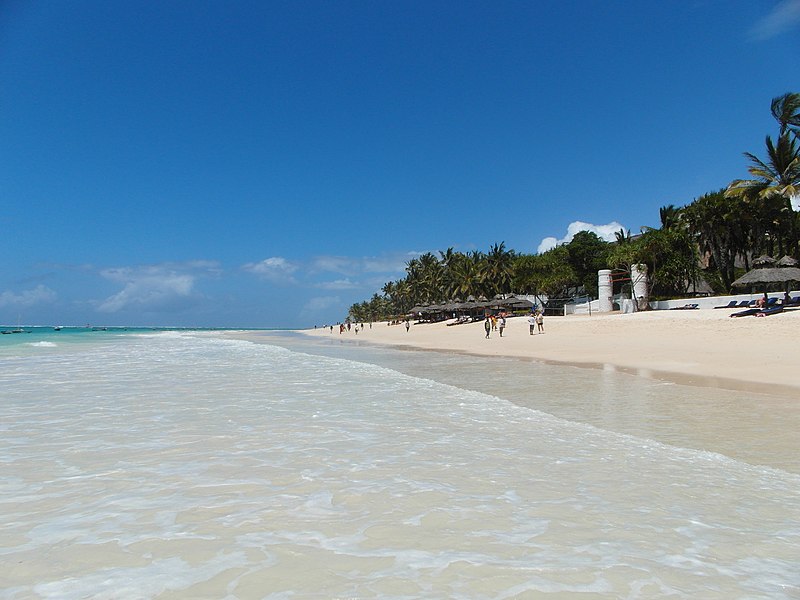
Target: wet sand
[698, 347]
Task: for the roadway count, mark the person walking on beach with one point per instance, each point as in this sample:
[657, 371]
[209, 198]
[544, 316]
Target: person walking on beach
[408, 325]
[487, 325]
[502, 324]
[540, 322]
[532, 323]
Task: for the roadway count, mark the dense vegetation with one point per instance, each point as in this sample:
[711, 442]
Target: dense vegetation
[706, 240]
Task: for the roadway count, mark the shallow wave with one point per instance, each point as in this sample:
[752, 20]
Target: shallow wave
[214, 467]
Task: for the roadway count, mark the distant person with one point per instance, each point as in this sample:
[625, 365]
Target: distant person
[487, 325]
[540, 322]
[408, 325]
[532, 323]
[787, 299]
[494, 323]
[502, 324]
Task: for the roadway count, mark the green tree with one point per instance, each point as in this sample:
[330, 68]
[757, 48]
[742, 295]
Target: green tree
[587, 253]
[496, 272]
[721, 228]
[776, 179]
[786, 110]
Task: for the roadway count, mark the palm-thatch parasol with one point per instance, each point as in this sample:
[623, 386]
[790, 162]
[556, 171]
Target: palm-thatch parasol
[521, 303]
[767, 275]
[763, 261]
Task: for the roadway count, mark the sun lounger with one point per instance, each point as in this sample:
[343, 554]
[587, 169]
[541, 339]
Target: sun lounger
[769, 311]
[686, 307]
[772, 302]
[731, 304]
[746, 312]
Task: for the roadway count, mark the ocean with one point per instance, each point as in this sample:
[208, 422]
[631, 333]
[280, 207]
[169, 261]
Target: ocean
[194, 464]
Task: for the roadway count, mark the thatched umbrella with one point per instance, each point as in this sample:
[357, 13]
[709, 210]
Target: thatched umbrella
[767, 275]
[763, 261]
[787, 261]
[521, 303]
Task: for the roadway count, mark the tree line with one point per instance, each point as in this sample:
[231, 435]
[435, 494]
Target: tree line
[710, 239]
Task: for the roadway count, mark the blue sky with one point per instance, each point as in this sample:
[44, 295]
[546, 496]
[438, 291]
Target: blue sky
[267, 164]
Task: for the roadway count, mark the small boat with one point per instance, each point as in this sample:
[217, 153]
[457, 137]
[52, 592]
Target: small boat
[18, 329]
[57, 328]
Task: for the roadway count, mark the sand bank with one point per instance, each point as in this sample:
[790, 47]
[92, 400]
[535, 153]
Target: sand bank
[700, 347]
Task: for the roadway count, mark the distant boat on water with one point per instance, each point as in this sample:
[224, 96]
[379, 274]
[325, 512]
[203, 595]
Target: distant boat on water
[19, 329]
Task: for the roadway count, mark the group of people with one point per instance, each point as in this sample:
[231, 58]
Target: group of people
[493, 322]
[347, 326]
[763, 302]
[498, 323]
[536, 321]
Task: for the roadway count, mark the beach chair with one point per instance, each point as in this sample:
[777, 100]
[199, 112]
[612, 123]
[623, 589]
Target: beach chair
[771, 302]
[744, 303]
[686, 307]
[731, 304]
[766, 312]
[746, 312]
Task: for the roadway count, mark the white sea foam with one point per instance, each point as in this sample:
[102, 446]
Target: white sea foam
[209, 468]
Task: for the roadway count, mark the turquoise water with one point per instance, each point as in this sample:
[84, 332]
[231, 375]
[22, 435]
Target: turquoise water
[192, 465]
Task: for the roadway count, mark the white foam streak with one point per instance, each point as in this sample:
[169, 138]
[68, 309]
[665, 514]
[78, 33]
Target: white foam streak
[207, 467]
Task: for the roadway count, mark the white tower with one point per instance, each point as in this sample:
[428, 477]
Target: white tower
[639, 285]
[605, 291]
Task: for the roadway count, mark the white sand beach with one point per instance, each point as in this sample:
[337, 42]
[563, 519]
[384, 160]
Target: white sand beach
[699, 347]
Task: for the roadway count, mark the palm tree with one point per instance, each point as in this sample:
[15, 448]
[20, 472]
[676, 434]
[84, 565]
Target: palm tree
[670, 216]
[720, 227]
[786, 110]
[775, 186]
[498, 269]
[778, 176]
[622, 236]
[465, 276]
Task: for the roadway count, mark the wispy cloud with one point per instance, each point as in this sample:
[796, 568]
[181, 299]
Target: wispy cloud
[350, 265]
[155, 287]
[605, 232]
[338, 284]
[782, 18]
[39, 295]
[320, 303]
[276, 269]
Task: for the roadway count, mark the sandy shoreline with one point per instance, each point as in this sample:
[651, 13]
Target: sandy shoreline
[700, 347]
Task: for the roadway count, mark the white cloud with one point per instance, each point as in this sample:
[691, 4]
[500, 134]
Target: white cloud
[348, 265]
[155, 287]
[275, 269]
[339, 284]
[39, 295]
[783, 17]
[605, 232]
[320, 303]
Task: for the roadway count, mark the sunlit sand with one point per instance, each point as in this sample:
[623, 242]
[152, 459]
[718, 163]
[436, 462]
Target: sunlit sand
[702, 347]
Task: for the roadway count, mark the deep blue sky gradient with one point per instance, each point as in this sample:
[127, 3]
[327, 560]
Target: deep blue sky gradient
[269, 163]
